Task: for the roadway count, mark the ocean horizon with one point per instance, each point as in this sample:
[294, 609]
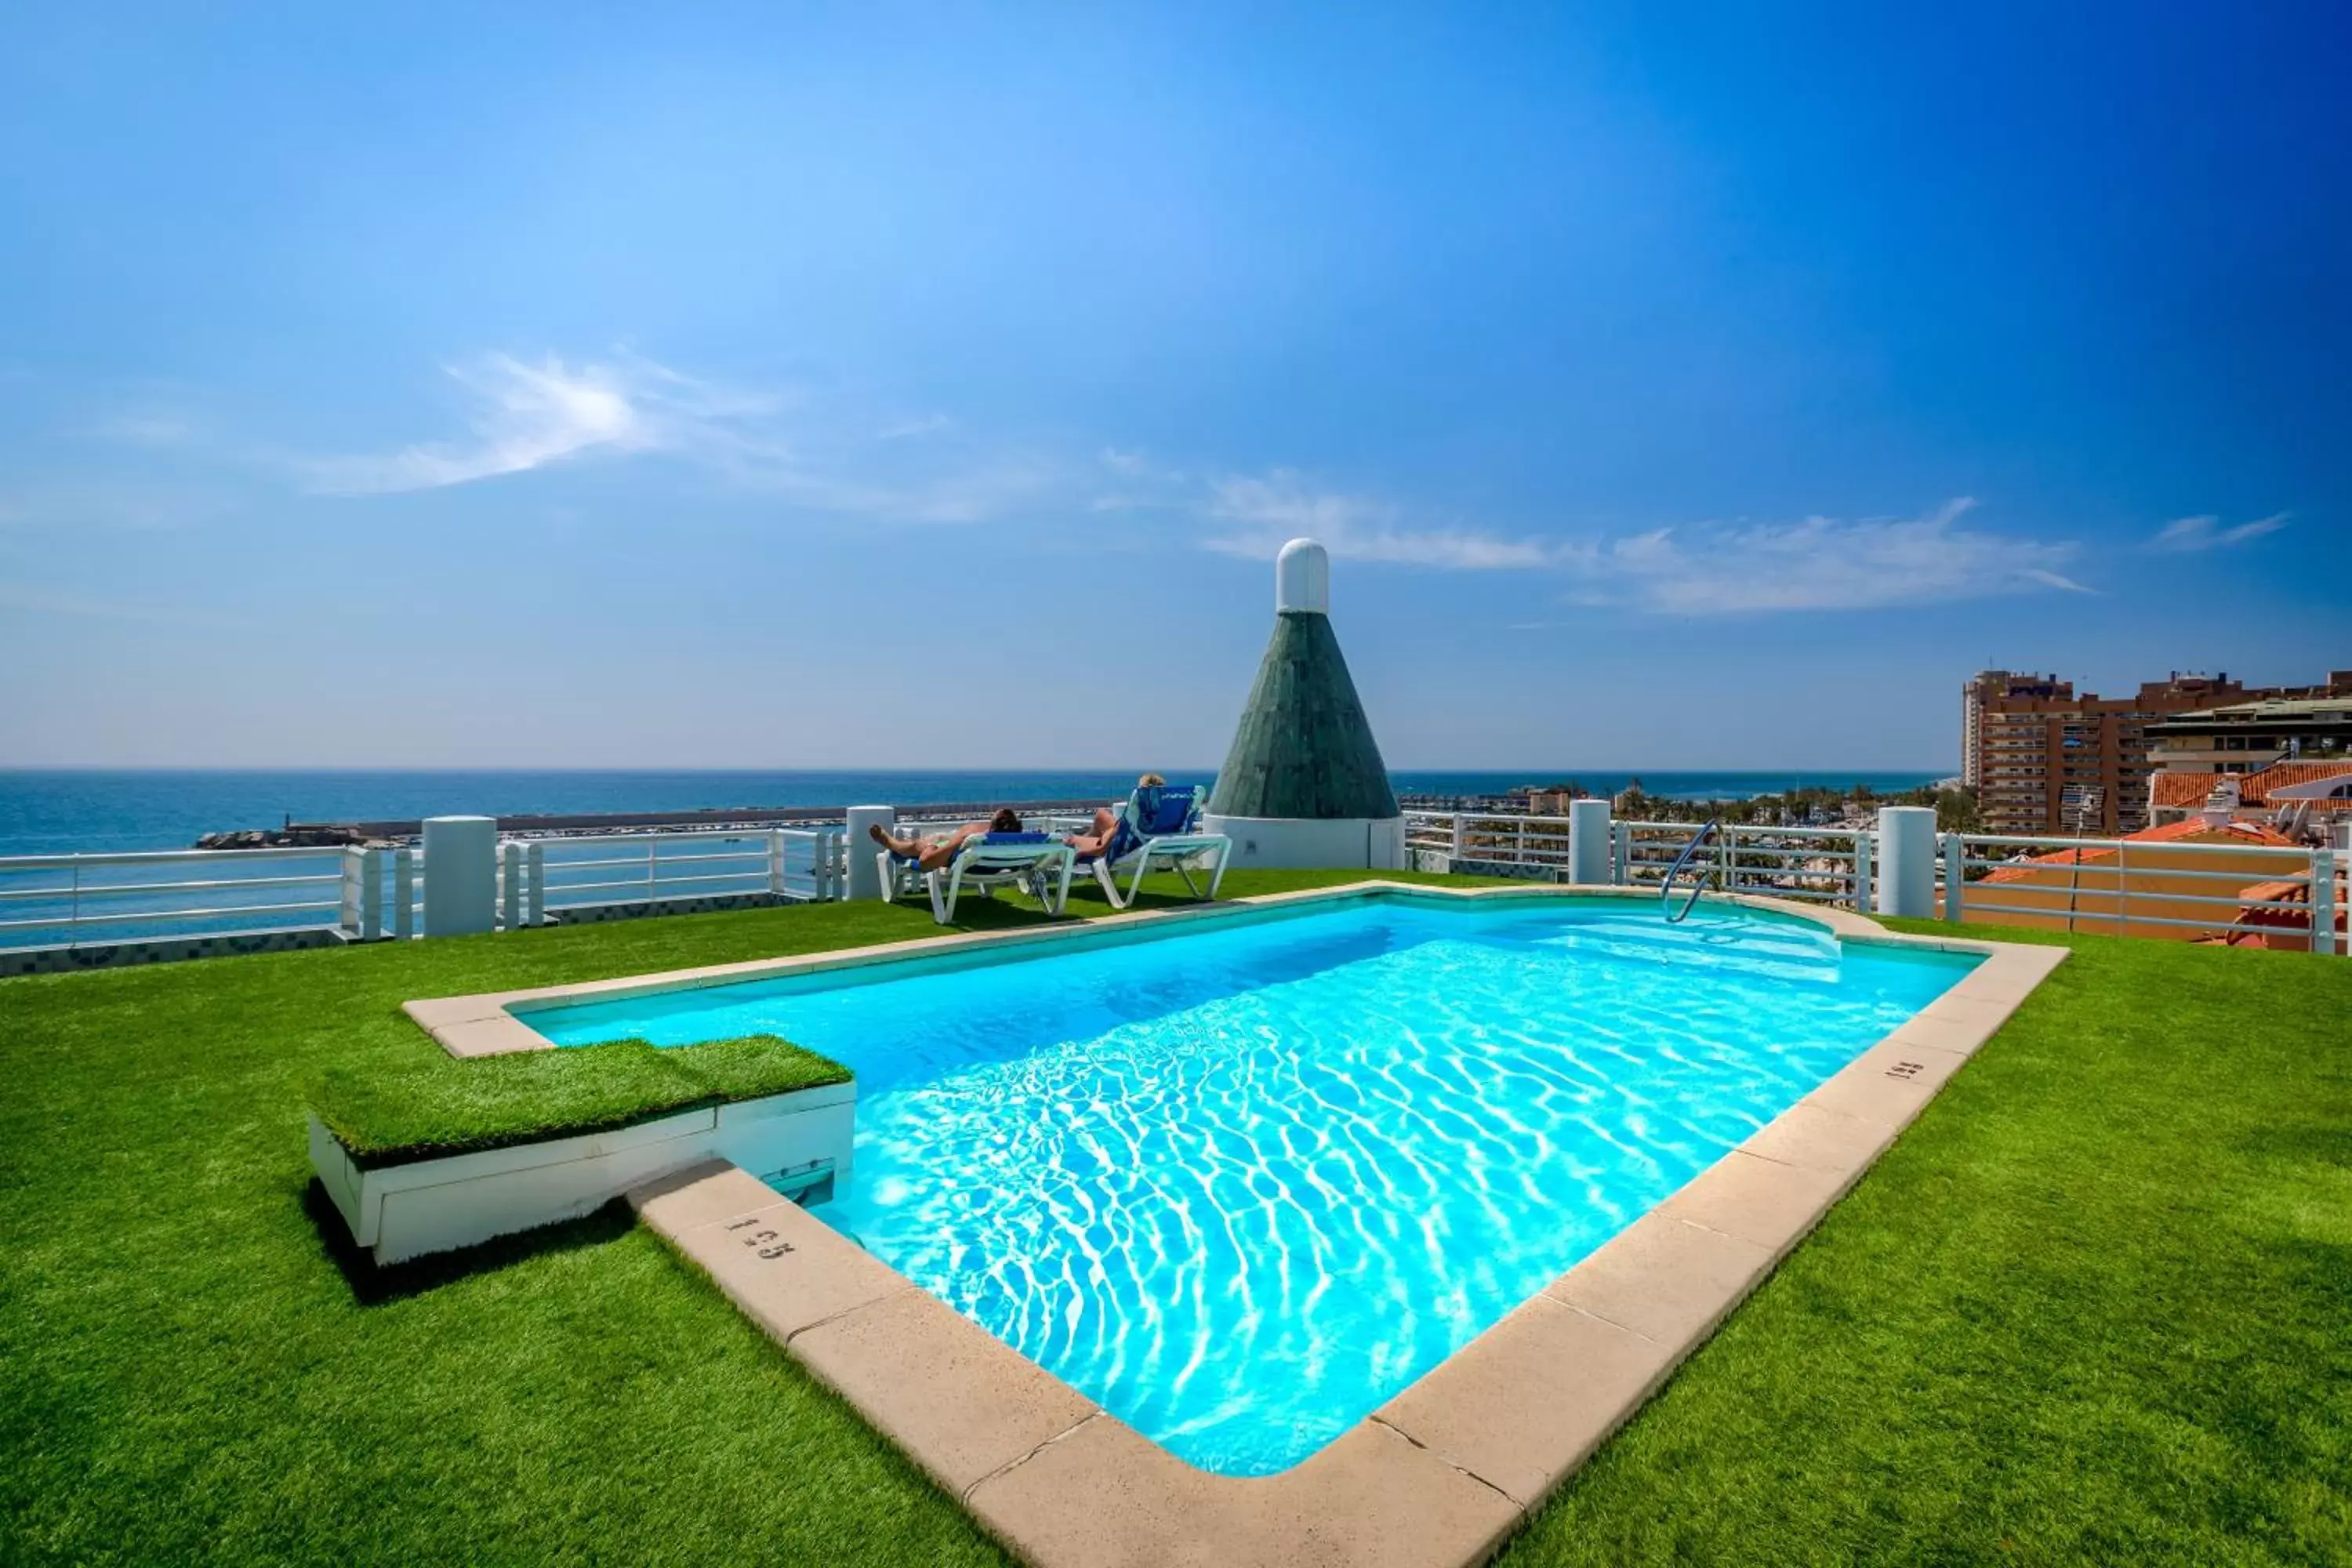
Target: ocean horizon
[59, 811]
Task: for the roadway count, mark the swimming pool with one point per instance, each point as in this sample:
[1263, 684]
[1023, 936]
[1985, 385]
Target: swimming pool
[1243, 1182]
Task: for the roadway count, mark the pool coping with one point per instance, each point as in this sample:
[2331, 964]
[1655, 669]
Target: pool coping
[1443, 1472]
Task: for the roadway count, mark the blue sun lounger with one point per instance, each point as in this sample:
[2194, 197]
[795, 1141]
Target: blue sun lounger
[1158, 830]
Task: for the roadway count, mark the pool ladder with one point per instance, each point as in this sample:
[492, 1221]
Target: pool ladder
[1666, 889]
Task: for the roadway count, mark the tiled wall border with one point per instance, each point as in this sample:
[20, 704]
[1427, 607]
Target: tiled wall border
[136, 953]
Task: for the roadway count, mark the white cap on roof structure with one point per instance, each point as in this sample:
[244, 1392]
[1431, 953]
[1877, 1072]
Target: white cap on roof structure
[1302, 578]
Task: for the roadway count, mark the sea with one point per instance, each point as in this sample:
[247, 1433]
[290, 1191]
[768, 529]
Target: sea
[78, 811]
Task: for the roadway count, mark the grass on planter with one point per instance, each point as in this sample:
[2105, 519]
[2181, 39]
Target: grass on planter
[421, 1110]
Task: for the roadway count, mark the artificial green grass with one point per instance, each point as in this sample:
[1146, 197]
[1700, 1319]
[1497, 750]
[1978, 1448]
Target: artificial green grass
[2095, 1307]
[423, 1111]
[193, 1368]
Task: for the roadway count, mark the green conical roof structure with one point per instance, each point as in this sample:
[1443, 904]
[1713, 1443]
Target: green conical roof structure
[1304, 749]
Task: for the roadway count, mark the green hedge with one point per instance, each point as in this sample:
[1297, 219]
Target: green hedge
[440, 1108]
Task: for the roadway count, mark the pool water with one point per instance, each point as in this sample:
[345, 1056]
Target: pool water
[1243, 1185]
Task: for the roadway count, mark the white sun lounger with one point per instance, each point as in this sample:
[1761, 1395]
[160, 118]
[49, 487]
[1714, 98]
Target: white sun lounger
[993, 861]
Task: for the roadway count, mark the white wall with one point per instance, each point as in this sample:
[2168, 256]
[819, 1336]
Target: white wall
[1290, 843]
[432, 1205]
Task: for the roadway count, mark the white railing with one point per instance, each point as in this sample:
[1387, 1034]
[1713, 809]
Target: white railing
[74, 900]
[1817, 864]
[559, 874]
[1822, 865]
[2115, 885]
[2122, 887]
[2292, 896]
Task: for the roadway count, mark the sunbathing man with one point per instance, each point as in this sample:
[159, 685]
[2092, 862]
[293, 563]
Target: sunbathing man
[1099, 837]
[930, 854]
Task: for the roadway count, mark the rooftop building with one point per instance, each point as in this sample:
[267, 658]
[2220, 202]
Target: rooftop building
[2260, 794]
[2244, 737]
[2047, 760]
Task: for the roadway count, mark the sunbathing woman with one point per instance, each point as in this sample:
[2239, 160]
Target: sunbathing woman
[930, 854]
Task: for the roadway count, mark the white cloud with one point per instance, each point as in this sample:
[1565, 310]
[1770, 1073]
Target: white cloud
[1819, 563]
[1263, 514]
[1135, 465]
[2189, 534]
[927, 425]
[525, 417]
[528, 416]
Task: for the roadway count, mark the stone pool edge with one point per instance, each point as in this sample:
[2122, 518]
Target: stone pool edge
[1440, 1476]
[484, 1024]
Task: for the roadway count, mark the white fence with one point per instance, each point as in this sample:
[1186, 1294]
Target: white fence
[76, 898]
[652, 868]
[2292, 896]
[1822, 865]
[2285, 895]
[541, 880]
[88, 900]
[2120, 887]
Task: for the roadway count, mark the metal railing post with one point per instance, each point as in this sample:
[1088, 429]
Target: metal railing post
[1621, 852]
[2123, 887]
[1865, 843]
[354, 867]
[535, 860]
[2322, 899]
[403, 892]
[1955, 876]
[776, 862]
[1455, 854]
[363, 893]
[511, 864]
[653, 868]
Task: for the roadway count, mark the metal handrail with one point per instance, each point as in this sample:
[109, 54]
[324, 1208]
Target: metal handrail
[1666, 888]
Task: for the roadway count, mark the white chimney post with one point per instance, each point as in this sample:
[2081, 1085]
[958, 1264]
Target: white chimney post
[1907, 861]
[1302, 578]
[1589, 842]
[865, 870]
[461, 875]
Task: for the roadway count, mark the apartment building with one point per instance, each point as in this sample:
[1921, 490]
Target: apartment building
[2247, 737]
[2044, 759]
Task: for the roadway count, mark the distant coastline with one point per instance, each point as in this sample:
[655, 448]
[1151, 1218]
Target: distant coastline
[68, 811]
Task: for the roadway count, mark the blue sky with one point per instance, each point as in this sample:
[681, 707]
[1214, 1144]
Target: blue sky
[931, 385]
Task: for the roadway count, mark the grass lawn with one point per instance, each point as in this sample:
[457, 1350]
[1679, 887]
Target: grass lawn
[2096, 1306]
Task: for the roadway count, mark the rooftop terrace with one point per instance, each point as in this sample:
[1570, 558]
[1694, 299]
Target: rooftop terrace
[2095, 1305]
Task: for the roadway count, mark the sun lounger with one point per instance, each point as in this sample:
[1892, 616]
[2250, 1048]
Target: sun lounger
[993, 861]
[1157, 831]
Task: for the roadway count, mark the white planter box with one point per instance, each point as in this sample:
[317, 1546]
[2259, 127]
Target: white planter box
[404, 1210]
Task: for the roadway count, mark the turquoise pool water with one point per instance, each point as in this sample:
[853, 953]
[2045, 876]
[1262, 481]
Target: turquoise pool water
[1242, 1185]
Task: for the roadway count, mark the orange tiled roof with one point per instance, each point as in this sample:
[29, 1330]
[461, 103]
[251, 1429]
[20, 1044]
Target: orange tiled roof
[2251, 832]
[2180, 790]
[2188, 790]
[2255, 788]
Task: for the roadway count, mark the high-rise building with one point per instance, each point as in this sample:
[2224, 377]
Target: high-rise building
[2045, 760]
[1994, 685]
